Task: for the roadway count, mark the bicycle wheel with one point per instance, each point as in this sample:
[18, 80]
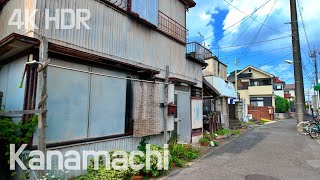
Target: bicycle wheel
[303, 128]
[313, 130]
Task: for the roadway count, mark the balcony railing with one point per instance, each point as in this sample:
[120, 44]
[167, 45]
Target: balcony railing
[172, 28]
[198, 51]
[122, 4]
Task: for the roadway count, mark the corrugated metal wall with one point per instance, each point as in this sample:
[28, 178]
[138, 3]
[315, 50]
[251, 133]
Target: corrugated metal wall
[174, 9]
[129, 41]
[126, 144]
[8, 10]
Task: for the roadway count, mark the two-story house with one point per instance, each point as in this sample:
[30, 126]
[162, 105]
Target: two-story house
[256, 87]
[216, 74]
[279, 87]
[105, 81]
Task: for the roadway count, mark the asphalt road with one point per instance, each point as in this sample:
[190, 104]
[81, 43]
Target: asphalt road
[275, 150]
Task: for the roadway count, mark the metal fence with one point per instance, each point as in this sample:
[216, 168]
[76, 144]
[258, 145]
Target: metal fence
[198, 51]
[172, 28]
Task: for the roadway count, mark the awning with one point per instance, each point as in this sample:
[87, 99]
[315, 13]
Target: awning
[317, 87]
[226, 89]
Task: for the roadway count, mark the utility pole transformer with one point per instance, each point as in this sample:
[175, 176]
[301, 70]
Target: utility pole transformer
[298, 76]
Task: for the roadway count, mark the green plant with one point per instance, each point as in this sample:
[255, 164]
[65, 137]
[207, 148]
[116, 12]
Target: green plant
[282, 105]
[15, 133]
[105, 174]
[235, 132]
[61, 175]
[215, 143]
[251, 122]
[153, 164]
[204, 141]
[223, 132]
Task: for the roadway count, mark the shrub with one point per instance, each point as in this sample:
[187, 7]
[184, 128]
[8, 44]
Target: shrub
[105, 174]
[223, 132]
[204, 140]
[282, 105]
[235, 132]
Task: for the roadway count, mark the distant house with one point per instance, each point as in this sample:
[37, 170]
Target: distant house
[279, 87]
[256, 87]
[289, 91]
[216, 74]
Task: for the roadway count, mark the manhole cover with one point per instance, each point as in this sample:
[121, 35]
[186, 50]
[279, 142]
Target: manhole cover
[260, 177]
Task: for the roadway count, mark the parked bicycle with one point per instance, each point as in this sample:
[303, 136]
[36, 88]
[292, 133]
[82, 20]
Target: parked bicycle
[314, 129]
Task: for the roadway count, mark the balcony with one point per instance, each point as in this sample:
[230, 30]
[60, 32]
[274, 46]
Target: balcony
[197, 51]
[172, 28]
[261, 90]
[119, 4]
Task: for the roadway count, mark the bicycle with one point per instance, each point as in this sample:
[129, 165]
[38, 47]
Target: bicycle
[314, 129]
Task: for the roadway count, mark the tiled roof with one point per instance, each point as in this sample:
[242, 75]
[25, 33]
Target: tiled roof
[289, 87]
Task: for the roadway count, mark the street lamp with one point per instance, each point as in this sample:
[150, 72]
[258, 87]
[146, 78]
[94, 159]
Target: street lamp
[288, 61]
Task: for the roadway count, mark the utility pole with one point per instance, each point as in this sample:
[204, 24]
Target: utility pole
[166, 91]
[313, 55]
[42, 83]
[298, 76]
[235, 76]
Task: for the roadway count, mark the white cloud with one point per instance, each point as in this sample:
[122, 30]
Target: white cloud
[199, 18]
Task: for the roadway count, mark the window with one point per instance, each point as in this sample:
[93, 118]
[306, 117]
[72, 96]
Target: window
[278, 87]
[146, 10]
[261, 101]
[260, 82]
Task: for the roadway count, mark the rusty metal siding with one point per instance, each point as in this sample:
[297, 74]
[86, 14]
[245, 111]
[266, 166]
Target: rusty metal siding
[115, 35]
[175, 9]
[6, 13]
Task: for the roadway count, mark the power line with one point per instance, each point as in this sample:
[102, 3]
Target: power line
[254, 43]
[254, 19]
[276, 60]
[262, 52]
[304, 27]
[257, 34]
[266, 2]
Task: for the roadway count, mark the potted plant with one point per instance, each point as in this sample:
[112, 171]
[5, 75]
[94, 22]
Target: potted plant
[204, 141]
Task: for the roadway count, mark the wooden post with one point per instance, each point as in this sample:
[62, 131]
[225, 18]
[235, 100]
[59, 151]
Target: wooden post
[42, 82]
[166, 95]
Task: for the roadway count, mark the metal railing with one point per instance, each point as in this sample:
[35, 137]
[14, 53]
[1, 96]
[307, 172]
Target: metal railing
[172, 28]
[122, 4]
[198, 51]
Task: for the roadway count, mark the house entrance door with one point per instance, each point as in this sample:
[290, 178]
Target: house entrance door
[184, 120]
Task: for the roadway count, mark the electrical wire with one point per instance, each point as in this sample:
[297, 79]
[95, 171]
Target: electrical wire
[257, 34]
[266, 2]
[254, 19]
[275, 60]
[254, 43]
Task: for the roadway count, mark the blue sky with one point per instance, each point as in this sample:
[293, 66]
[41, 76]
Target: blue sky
[228, 31]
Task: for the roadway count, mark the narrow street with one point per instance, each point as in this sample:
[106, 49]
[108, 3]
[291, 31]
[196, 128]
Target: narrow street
[275, 150]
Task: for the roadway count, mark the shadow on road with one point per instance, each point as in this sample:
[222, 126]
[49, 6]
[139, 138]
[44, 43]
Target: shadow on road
[245, 142]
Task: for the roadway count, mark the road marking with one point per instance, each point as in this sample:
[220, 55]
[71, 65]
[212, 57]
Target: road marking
[318, 141]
